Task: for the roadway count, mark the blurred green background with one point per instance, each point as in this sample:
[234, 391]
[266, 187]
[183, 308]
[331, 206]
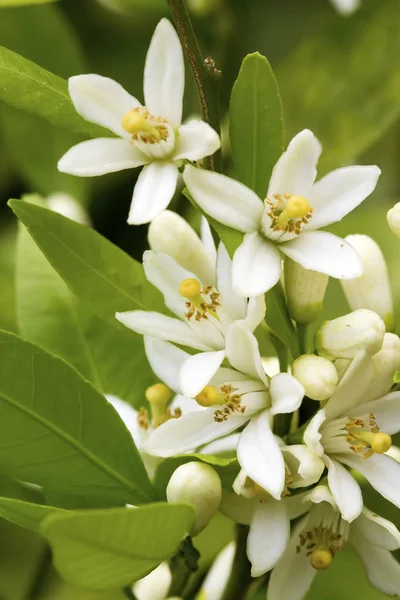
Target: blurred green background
[338, 76]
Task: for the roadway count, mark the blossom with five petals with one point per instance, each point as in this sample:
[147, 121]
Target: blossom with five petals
[294, 209]
[151, 135]
[321, 534]
[355, 426]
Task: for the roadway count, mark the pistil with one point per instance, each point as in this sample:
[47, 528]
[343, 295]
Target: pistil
[143, 126]
[288, 212]
[365, 437]
[201, 300]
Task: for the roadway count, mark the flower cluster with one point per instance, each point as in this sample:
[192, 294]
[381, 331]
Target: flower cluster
[298, 434]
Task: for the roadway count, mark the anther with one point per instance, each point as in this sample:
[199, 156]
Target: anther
[321, 558]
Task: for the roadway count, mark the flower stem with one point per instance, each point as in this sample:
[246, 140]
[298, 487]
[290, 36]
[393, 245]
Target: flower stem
[182, 566]
[302, 334]
[240, 578]
[204, 71]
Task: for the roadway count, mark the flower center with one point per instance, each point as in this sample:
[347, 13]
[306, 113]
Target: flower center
[365, 438]
[212, 396]
[325, 535]
[158, 396]
[288, 212]
[201, 300]
[144, 127]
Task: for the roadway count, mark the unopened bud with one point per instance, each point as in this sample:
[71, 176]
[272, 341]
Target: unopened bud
[393, 218]
[66, 205]
[317, 375]
[345, 336]
[172, 235]
[305, 291]
[372, 289]
[199, 485]
[385, 363]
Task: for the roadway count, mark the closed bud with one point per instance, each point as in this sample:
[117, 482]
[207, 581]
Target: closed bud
[199, 485]
[385, 364]
[393, 218]
[305, 291]
[317, 375]
[66, 205]
[345, 336]
[372, 289]
[172, 235]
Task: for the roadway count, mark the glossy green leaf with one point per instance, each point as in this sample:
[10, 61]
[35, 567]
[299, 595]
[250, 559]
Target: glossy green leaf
[278, 319]
[110, 549]
[4, 3]
[31, 88]
[255, 123]
[342, 82]
[57, 431]
[25, 514]
[99, 273]
[51, 316]
[227, 469]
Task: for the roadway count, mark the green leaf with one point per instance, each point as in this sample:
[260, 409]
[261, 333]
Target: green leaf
[342, 82]
[26, 514]
[52, 317]
[31, 88]
[278, 319]
[255, 123]
[227, 469]
[23, 2]
[98, 272]
[8, 318]
[57, 431]
[110, 549]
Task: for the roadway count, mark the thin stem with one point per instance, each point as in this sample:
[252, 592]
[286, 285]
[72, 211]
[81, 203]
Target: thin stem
[204, 71]
[281, 352]
[129, 593]
[302, 334]
[182, 566]
[240, 578]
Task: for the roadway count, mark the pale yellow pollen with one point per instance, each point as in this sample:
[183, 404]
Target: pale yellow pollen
[190, 288]
[209, 396]
[144, 126]
[321, 558]
[296, 207]
[158, 393]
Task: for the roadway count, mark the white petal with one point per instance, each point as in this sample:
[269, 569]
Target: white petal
[304, 465]
[166, 275]
[243, 353]
[162, 327]
[255, 312]
[153, 192]
[100, 156]
[224, 199]
[312, 437]
[155, 585]
[321, 493]
[286, 393]
[383, 473]
[166, 361]
[208, 240]
[129, 416]
[256, 266]
[102, 101]
[345, 490]
[352, 387]
[296, 170]
[293, 575]
[297, 505]
[222, 445]
[196, 140]
[260, 457]
[382, 569]
[198, 370]
[340, 192]
[234, 305]
[190, 431]
[217, 577]
[324, 252]
[164, 74]
[377, 530]
[237, 508]
[386, 410]
[268, 536]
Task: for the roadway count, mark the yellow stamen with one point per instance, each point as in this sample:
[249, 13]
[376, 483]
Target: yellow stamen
[379, 442]
[135, 122]
[158, 393]
[209, 396]
[296, 208]
[321, 558]
[190, 288]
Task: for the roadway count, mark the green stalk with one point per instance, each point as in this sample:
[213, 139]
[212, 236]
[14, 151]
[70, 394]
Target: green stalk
[204, 71]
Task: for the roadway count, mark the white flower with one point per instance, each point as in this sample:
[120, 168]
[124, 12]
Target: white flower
[355, 426]
[372, 289]
[346, 7]
[270, 519]
[229, 399]
[202, 298]
[294, 208]
[217, 577]
[150, 135]
[393, 218]
[322, 533]
[155, 585]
